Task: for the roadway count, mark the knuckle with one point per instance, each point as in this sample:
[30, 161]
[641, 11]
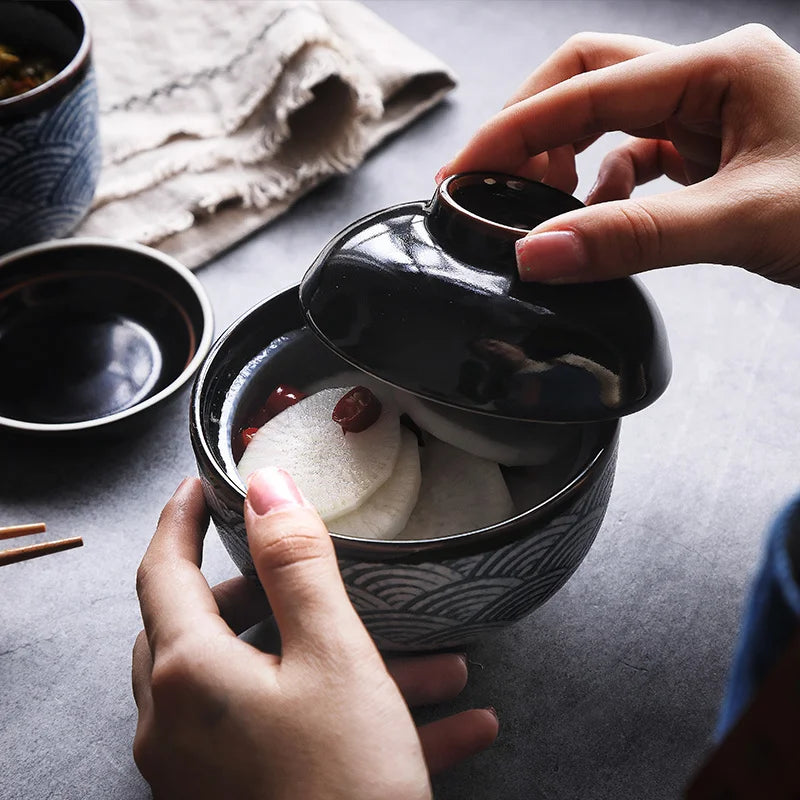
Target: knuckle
[642, 233]
[150, 573]
[756, 34]
[579, 49]
[187, 686]
[293, 539]
[744, 48]
[143, 574]
[596, 113]
[175, 673]
[582, 41]
[145, 754]
[140, 645]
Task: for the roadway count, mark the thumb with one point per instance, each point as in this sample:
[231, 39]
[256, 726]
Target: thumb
[615, 239]
[296, 564]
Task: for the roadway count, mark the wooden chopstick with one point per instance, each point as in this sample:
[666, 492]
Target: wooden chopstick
[12, 531]
[32, 550]
[36, 550]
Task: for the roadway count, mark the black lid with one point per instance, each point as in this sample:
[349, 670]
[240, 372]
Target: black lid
[426, 296]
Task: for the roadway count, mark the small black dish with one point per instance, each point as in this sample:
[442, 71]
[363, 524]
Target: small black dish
[93, 333]
[426, 296]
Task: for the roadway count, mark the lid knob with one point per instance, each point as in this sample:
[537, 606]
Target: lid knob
[478, 216]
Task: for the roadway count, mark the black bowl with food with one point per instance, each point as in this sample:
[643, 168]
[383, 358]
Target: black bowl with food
[455, 426]
[418, 590]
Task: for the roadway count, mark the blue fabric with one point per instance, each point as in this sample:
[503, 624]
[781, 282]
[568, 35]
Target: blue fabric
[770, 620]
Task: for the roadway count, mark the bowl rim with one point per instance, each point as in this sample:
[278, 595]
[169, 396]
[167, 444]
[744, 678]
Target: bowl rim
[490, 537]
[204, 340]
[50, 92]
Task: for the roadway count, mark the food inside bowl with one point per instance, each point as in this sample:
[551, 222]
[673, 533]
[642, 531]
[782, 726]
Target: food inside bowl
[22, 70]
[363, 469]
[368, 461]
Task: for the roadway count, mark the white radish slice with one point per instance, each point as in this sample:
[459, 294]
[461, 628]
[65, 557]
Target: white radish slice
[335, 472]
[460, 492]
[385, 512]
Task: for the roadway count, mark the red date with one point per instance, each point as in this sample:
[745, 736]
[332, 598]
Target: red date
[357, 410]
[247, 435]
[279, 400]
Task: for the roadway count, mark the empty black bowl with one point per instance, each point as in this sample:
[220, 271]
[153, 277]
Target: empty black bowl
[93, 333]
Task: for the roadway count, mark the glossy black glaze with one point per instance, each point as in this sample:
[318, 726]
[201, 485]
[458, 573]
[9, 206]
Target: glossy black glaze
[59, 28]
[240, 371]
[427, 297]
[92, 331]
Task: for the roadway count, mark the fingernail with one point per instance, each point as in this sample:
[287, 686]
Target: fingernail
[271, 488]
[441, 175]
[493, 711]
[556, 257]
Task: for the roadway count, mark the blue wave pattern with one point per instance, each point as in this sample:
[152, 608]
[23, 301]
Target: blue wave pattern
[49, 167]
[429, 606]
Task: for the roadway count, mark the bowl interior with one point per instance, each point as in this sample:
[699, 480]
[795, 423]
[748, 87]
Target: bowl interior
[56, 28]
[270, 346]
[92, 330]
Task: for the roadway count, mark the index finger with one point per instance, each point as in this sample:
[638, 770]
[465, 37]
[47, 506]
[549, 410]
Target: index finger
[173, 594]
[584, 52]
[635, 95]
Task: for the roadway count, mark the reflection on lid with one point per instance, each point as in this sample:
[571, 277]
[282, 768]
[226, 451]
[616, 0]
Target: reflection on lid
[508, 369]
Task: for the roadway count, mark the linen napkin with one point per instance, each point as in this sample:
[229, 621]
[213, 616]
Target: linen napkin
[216, 117]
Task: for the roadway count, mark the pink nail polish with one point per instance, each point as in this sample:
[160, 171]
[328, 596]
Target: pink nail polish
[271, 488]
[441, 175]
[556, 257]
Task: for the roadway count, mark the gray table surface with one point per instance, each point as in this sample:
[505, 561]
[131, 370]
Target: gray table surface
[611, 689]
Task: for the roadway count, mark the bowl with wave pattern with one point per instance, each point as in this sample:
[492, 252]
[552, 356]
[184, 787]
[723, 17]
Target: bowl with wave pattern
[49, 141]
[412, 595]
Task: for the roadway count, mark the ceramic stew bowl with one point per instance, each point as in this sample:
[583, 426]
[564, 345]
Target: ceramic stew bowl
[49, 142]
[444, 592]
[412, 595]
